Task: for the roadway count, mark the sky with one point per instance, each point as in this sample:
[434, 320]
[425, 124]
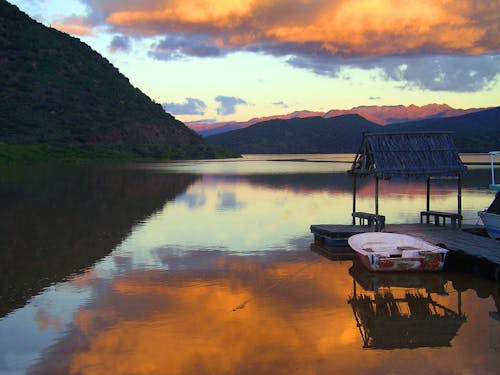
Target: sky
[226, 60]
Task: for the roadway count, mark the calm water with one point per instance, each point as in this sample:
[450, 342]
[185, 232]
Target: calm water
[209, 268]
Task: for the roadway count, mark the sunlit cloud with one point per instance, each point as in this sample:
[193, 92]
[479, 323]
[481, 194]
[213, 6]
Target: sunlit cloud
[191, 106]
[343, 27]
[458, 40]
[75, 25]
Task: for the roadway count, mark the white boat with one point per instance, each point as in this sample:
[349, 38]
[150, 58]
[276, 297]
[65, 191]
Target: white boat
[491, 216]
[491, 222]
[389, 252]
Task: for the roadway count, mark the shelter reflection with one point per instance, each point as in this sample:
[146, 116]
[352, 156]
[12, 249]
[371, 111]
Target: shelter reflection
[401, 311]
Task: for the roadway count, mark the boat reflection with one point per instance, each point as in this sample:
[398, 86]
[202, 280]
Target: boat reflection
[400, 310]
[432, 282]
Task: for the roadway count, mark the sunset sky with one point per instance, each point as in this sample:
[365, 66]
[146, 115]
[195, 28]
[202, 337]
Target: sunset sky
[234, 60]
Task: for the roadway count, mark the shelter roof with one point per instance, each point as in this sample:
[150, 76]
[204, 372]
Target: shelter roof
[419, 154]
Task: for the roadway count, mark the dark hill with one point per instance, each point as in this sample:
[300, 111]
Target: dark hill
[54, 88]
[474, 132]
[298, 135]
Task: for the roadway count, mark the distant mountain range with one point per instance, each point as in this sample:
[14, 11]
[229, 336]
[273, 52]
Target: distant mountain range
[478, 131]
[54, 88]
[381, 115]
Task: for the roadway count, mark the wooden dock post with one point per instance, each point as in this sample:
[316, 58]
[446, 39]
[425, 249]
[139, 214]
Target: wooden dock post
[354, 198]
[459, 198]
[428, 205]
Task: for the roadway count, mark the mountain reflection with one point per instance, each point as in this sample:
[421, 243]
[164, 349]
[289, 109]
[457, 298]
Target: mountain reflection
[342, 182]
[57, 221]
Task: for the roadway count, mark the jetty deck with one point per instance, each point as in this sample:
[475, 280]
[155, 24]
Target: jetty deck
[482, 254]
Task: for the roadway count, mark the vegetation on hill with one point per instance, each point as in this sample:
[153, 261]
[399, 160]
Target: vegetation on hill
[56, 89]
[74, 153]
[475, 132]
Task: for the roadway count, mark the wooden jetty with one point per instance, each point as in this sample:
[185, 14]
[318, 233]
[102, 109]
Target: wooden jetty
[468, 251]
[428, 156]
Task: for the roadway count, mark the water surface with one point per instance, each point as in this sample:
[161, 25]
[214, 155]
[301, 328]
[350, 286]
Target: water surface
[209, 268]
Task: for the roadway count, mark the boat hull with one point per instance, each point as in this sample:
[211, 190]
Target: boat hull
[391, 252]
[491, 223]
[430, 262]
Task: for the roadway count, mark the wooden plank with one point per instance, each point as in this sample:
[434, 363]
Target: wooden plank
[457, 240]
[441, 213]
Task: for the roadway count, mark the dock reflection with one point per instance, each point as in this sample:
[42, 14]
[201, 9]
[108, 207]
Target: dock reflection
[400, 310]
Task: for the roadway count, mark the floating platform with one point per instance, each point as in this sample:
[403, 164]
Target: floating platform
[469, 251]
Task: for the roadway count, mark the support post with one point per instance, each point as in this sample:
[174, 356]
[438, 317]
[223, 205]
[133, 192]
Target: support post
[459, 200]
[376, 195]
[428, 205]
[354, 199]
[459, 302]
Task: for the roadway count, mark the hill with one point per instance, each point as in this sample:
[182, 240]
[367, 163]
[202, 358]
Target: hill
[381, 115]
[473, 132]
[56, 89]
[384, 115]
[298, 135]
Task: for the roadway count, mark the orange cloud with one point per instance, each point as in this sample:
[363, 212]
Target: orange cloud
[74, 25]
[346, 27]
[220, 12]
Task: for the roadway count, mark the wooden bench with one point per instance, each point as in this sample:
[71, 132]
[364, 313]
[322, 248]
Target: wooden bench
[454, 218]
[377, 222]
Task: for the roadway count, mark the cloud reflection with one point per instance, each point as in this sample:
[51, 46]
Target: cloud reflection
[240, 315]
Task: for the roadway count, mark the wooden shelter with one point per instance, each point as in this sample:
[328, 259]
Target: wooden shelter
[413, 320]
[397, 310]
[426, 155]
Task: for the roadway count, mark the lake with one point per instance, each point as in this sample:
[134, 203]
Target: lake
[209, 267]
